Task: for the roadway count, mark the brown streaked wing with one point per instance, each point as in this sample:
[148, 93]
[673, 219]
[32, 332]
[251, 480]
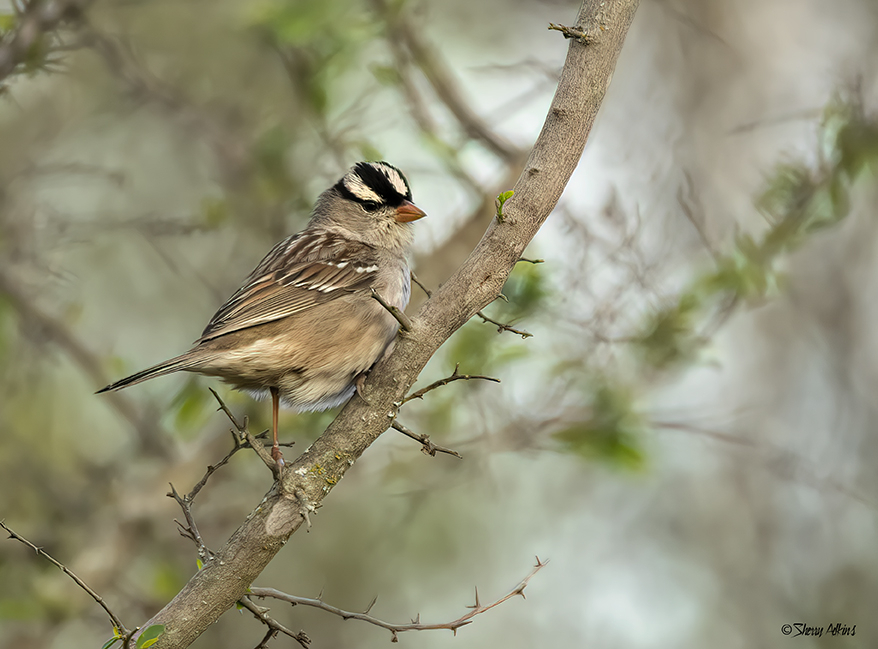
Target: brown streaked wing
[298, 274]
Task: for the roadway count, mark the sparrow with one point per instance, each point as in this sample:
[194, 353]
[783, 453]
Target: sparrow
[304, 327]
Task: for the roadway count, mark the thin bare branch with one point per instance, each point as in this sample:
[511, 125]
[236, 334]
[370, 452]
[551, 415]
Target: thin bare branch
[455, 376]
[149, 432]
[440, 77]
[274, 627]
[252, 440]
[504, 327]
[415, 279]
[429, 448]
[397, 313]
[114, 619]
[500, 326]
[396, 629]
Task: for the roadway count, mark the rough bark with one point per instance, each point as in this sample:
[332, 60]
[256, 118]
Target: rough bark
[310, 478]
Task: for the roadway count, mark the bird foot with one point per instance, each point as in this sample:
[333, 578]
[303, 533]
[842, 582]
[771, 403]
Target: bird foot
[277, 456]
[360, 383]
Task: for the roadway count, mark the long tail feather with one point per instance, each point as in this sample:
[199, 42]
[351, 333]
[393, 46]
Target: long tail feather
[183, 362]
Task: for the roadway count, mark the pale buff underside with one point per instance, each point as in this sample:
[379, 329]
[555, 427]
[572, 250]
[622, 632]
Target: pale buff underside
[277, 354]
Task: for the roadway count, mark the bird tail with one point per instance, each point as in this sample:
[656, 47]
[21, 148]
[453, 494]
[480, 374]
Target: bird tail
[183, 362]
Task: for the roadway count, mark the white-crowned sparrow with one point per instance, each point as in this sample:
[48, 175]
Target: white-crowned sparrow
[304, 325]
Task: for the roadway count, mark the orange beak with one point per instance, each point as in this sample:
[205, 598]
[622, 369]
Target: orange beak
[408, 212]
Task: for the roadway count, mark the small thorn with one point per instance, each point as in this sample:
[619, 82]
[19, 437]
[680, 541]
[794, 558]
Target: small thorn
[371, 604]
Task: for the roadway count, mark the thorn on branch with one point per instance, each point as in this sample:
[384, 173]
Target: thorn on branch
[504, 327]
[428, 447]
[123, 632]
[396, 629]
[401, 317]
[455, 376]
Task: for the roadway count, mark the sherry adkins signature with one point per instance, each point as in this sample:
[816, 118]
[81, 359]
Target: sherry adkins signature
[800, 628]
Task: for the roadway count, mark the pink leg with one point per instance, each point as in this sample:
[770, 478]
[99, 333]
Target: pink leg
[275, 449]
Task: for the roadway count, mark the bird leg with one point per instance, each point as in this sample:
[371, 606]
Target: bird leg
[276, 455]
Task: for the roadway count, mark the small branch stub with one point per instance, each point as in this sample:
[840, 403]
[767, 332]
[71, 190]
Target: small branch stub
[401, 317]
[572, 33]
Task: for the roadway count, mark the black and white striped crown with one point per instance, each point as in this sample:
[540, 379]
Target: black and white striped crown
[375, 184]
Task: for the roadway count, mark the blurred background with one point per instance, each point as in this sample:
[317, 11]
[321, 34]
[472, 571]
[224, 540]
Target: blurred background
[689, 435]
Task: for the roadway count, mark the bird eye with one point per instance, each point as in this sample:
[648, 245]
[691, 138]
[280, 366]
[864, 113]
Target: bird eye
[370, 206]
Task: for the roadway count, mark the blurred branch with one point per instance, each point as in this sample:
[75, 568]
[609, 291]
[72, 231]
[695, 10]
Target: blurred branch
[312, 476]
[395, 629]
[229, 147]
[440, 77]
[152, 438]
[120, 628]
[33, 22]
[455, 376]
[428, 447]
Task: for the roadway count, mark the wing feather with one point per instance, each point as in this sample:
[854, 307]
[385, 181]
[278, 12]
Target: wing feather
[300, 273]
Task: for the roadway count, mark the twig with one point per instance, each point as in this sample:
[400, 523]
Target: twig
[33, 21]
[504, 327]
[415, 279]
[252, 440]
[532, 261]
[48, 327]
[500, 326]
[429, 448]
[689, 203]
[396, 629]
[273, 625]
[190, 530]
[572, 32]
[271, 634]
[455, 376]
[401, 317]
[114, 619]
[446, 87]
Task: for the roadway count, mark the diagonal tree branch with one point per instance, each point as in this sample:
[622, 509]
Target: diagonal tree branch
[306, 482]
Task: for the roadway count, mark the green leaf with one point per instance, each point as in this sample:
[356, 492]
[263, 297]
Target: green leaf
[150, 636]
[7, 22]
[501, 201]
[612, 431]
[109, 643]
[199, 563]
[386, 75]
